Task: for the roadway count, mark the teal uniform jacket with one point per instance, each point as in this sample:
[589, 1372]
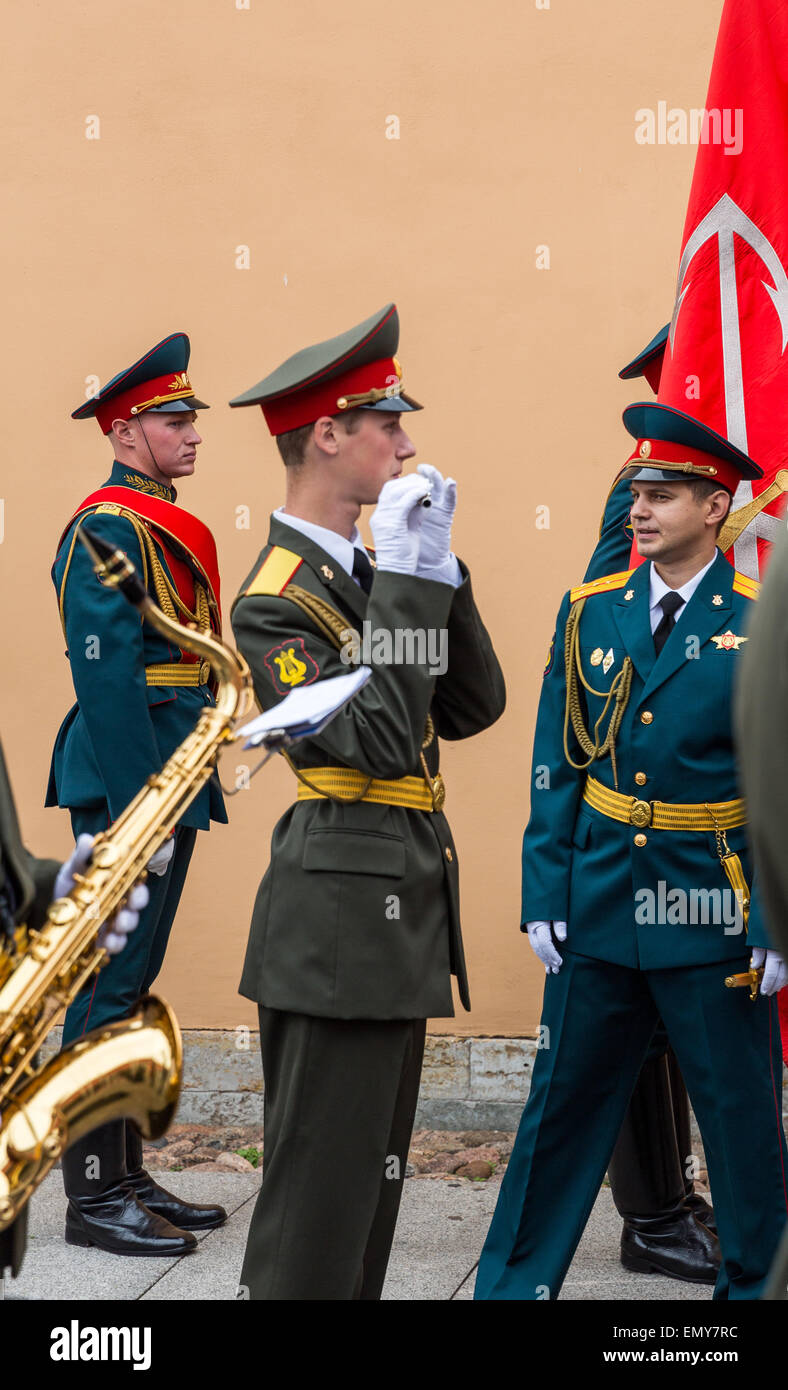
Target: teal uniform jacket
[584, 868]
[358, 915]
[121, 730]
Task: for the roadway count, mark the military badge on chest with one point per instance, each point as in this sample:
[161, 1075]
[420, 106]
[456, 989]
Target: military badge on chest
[728, 642]
[290, 664]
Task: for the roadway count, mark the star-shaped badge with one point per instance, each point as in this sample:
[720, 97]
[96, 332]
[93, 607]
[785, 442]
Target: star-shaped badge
[728, 642]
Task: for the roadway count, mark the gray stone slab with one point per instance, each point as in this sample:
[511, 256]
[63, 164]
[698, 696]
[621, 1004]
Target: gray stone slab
[467, 1114]
[220, 1108]
[501, 1068]
[440, 1231]
[446, 1069]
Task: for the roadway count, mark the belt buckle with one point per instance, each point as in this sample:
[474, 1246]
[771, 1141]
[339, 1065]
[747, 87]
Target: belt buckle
[438, 792]
[205, 672]
[640, 814]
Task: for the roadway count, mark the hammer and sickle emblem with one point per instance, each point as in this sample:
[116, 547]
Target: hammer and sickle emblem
[291, 670]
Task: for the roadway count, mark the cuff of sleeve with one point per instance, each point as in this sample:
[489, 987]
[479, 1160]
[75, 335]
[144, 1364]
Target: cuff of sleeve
[448, 572]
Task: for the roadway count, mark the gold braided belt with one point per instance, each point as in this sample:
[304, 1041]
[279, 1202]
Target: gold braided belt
[178, 673]
[662, 815]
[346, 784]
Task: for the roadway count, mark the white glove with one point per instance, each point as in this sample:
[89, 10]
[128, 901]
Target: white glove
[541, 941]
[436, 560]
[157, 864]
[113, 934]
[396, 523]
[775, 974]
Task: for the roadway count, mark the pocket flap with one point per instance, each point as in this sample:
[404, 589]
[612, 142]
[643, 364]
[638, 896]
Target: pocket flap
[354, 852]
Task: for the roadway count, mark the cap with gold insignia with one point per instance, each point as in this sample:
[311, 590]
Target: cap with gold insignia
[648, 362]
[672, 446]
[157, 382]
[355, 370]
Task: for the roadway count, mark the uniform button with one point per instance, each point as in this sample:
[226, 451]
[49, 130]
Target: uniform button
[641, 778]
[641, 840]
[646, 717]
[449, 855]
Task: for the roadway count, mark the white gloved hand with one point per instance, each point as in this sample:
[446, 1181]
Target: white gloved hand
[157, 864]
[114, 933]
[775, 973]
[541, 939]
[435, 552]
[396, 523]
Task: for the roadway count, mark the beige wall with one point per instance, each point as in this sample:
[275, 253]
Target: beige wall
[266, 127]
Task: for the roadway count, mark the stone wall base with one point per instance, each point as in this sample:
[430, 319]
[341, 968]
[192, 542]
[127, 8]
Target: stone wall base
[467, 1083]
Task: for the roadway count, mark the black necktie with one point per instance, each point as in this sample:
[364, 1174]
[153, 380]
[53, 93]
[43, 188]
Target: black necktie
[670, 604]
[362, 569]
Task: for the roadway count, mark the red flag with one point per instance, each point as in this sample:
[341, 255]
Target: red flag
[726, 361]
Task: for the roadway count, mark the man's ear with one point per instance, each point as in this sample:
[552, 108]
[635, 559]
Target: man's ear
[326, 435]
[123, 433]
[719, 505]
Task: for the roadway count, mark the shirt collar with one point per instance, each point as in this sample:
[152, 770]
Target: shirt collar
[123, 475]
[338, 547]
[658, 588]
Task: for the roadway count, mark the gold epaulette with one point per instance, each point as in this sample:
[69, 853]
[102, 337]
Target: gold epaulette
[742, 584]
[275, 572]
[600, 586]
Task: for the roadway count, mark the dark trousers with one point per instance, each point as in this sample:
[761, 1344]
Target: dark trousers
[112, 993]
[601, 1019]
[340, 1097]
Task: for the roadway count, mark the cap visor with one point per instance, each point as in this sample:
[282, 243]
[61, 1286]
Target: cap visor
[394, 405]
[176, 407]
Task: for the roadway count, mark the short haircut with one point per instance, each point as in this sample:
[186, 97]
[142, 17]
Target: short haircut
[292, 445]
[704, 487]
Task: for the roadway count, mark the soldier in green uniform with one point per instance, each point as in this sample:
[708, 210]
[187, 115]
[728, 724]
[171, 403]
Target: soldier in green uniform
[645, 902]
[356, 927]
[137, 698]
[27, 887]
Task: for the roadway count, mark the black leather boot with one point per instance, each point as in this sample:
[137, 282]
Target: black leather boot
[103, 1210]
[189, 1216]
[681, 1118]
[660, 1234]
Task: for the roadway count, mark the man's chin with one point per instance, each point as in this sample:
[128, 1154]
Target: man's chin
[647, 547]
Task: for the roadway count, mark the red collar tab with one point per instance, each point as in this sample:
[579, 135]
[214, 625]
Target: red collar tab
[682, 462]
[356, 387]
[175, 386]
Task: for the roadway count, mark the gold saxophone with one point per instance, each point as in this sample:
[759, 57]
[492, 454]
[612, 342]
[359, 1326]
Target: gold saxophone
[133, 1067]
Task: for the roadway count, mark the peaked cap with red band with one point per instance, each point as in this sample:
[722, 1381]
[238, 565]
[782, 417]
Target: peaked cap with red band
[674, 447]
[355, 370]
[648, 362]
[158, 382]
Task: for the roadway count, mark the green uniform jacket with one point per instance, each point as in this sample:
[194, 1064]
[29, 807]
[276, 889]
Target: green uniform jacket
[358, 915]
[583, 868]
[26, 887]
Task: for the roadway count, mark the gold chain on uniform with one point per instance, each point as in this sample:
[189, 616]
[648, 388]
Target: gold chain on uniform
[619, 691]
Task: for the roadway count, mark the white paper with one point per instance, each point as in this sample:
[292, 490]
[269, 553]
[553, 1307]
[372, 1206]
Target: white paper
[305, 711]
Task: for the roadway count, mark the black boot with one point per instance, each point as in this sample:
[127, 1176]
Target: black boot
[189, 1216]
[103, 1209]
[647, 1181]
[681, 1117]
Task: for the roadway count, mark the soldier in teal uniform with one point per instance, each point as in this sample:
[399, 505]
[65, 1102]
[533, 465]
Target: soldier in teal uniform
[356, 928]
[137, 698]
[668, 1227]
[636, 873]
